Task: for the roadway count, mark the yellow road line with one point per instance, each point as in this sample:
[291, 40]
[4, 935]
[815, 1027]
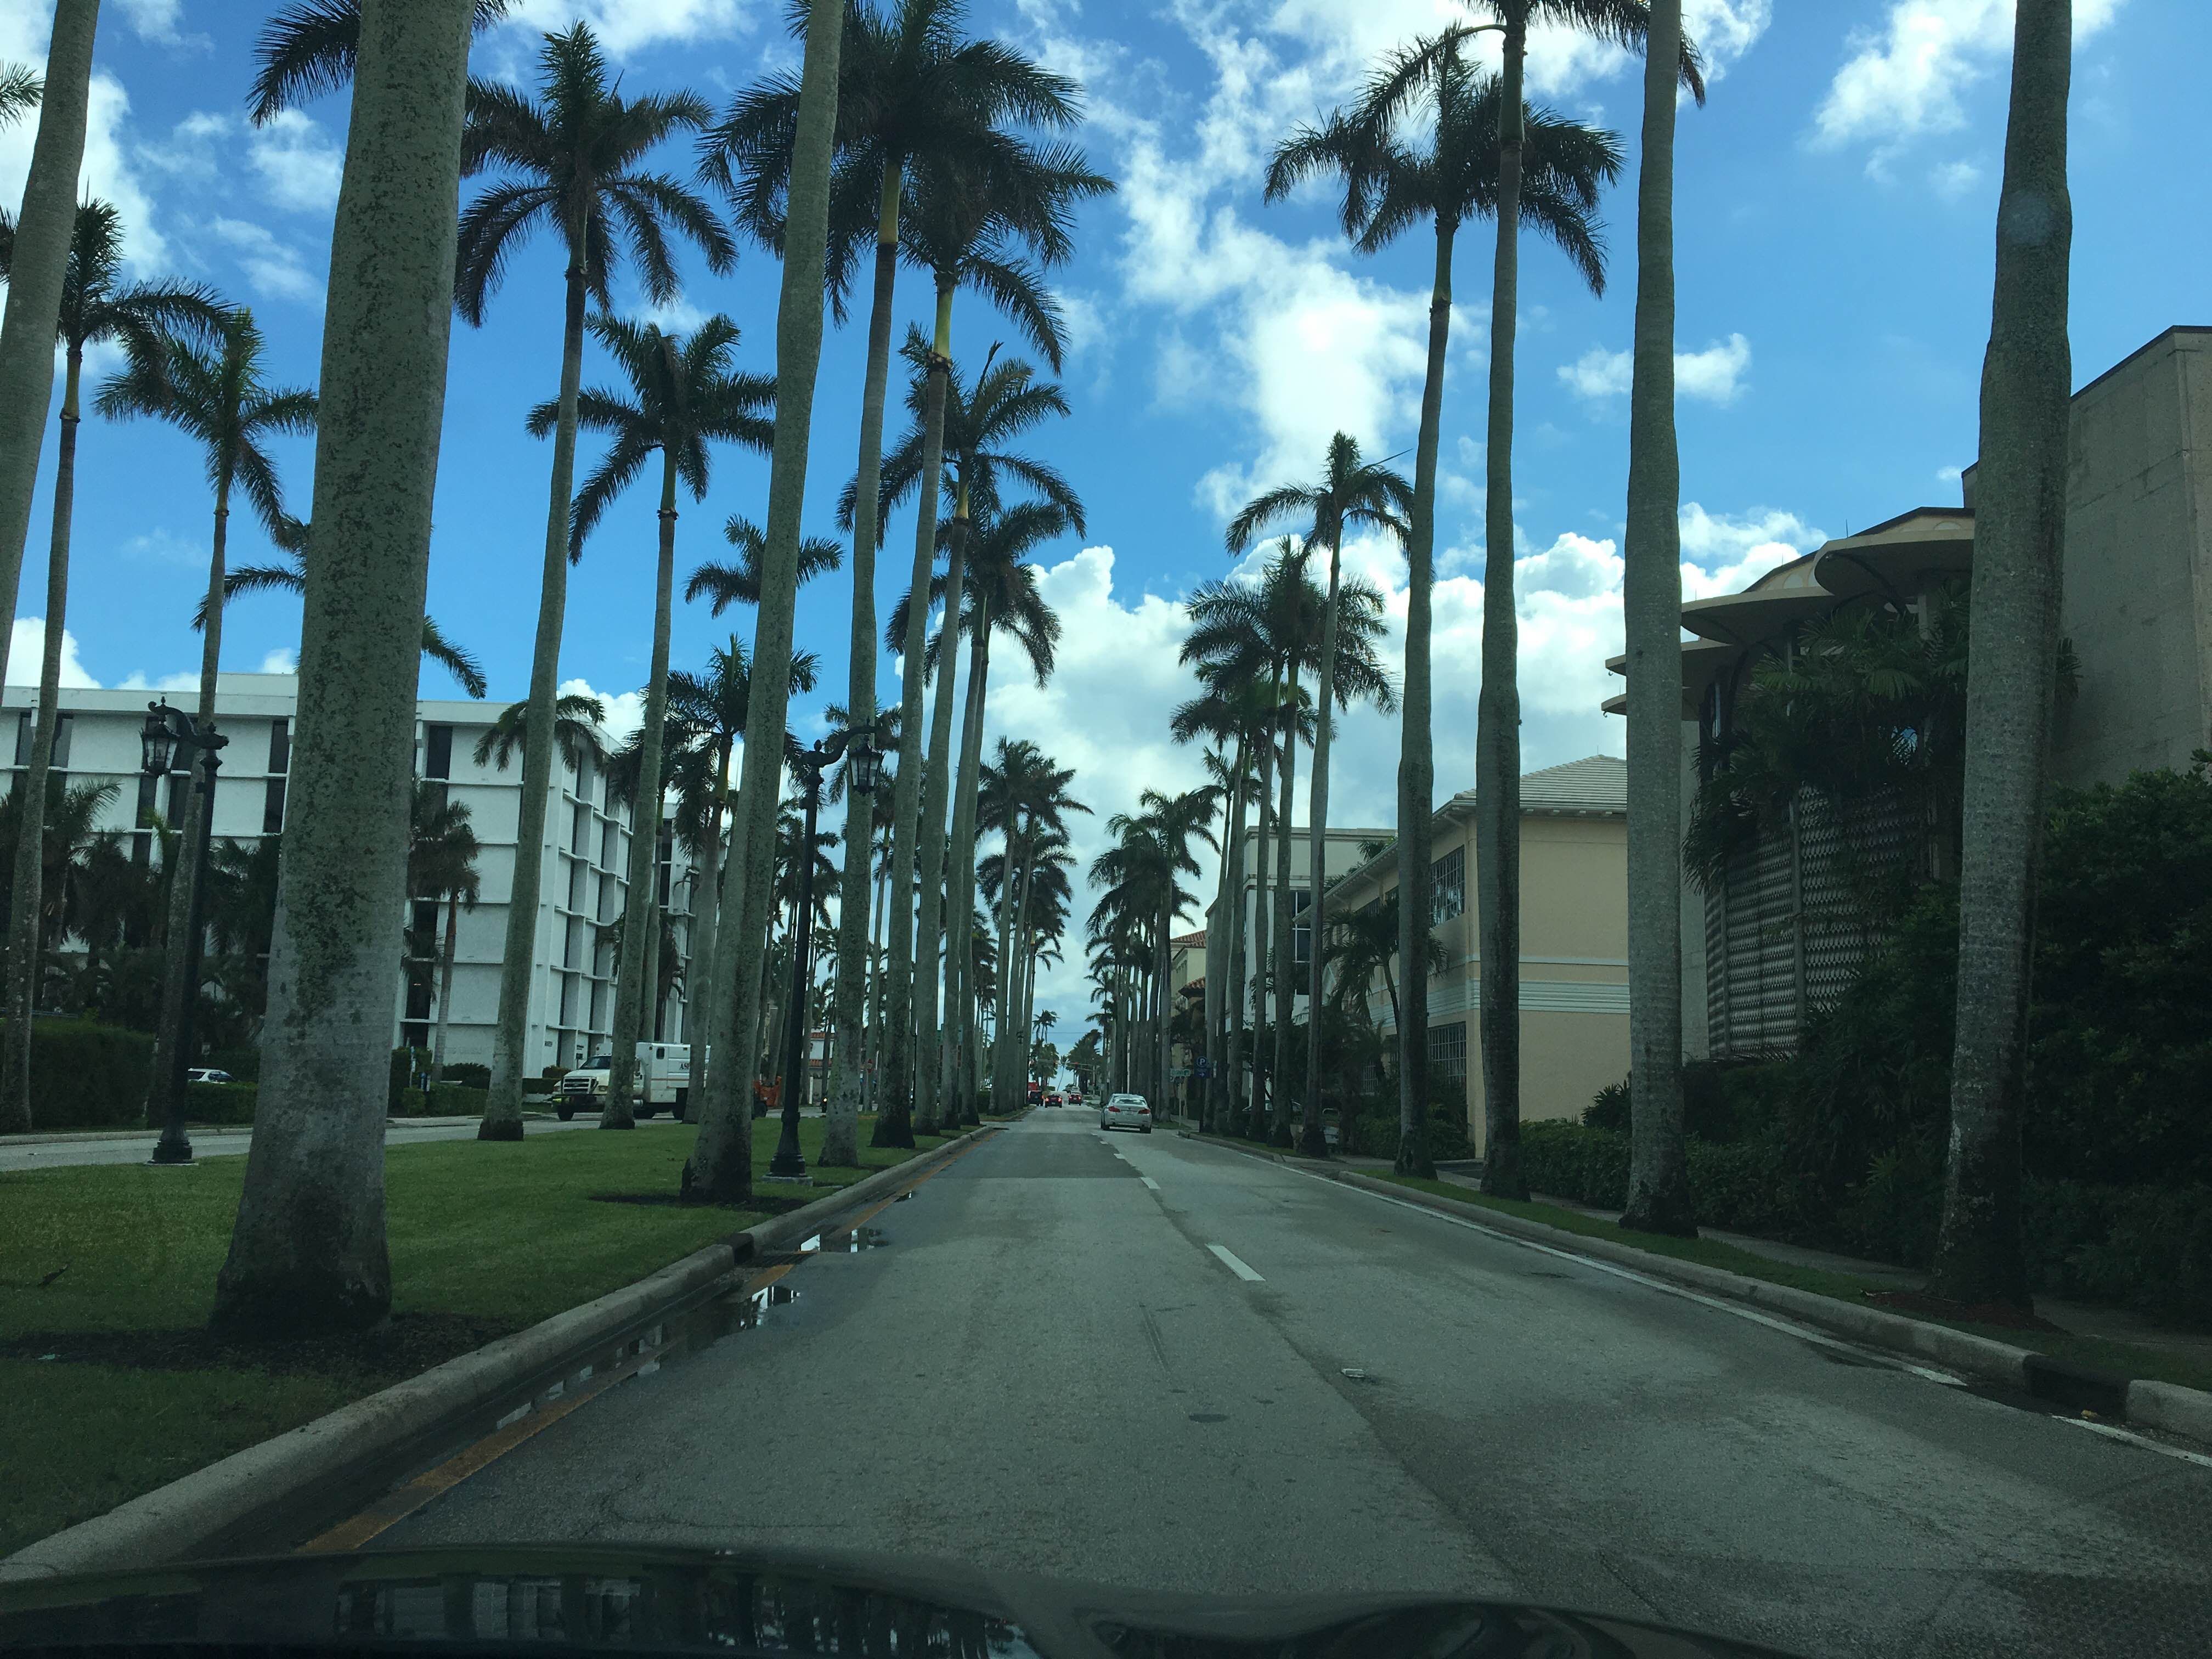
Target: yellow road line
[401, 1501]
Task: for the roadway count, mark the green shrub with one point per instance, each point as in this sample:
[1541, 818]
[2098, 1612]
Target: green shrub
[244, 1064]
[406, 1065]
[1723, 1101]
[1565, 1160]
[452, 1100]
[87, 1075]
[468, 1074]
[221, 1102]
[2143, 1248]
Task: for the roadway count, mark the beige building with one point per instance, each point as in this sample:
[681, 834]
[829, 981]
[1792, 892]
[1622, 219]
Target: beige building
[1780, 936]
[1574, 939]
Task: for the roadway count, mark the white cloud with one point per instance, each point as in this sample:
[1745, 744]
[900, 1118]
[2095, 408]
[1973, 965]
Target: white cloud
[299, 165]
[281, 661]
[276, 269]
[166, 547]
[26, 649]
[628, 26]
[1952, 179]
[186, 679]
[1722, 554]
[108, 172]
[1904, 79]
[625, 709]
[1714, 375]
[189, 154]
[157, 20]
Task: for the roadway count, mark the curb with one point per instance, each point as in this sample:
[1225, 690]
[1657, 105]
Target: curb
[2167, 1406]
[171, 1522]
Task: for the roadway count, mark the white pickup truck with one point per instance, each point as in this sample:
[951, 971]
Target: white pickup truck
[664, 1078]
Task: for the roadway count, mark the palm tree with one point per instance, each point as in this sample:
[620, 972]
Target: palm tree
[288, 575]
[972, 427]
[310, 47]
[683, 394]
[739, 582]
[720, 1169]
[38, 265]
[914, 96]
[1434, 142]
[572, 166]
[216, 394]
[2020, 531]
[1023, 797]
[307, 1252]
[1652, 603]
[442, 866]
[96, 308]
[1352, 492]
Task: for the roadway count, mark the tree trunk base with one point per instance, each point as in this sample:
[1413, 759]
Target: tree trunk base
[1672, 1220]
[1313, 1144]
[893, 1131]
[1413, 1159]
[500, 1129]
[1279, 1137]
[608, 1121]
[730, 1189]
[295, 1304]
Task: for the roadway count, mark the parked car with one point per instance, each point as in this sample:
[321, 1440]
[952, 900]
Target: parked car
[664, 1078]
[207, 1074]
[1126, 1112]
[1037, 1093]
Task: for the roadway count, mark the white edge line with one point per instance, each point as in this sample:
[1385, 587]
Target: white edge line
[1235, 1267]
[1802, 1332]
[1149, 1182]
[2111, 1432]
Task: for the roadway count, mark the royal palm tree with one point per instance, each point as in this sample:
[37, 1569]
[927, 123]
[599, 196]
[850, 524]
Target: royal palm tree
[217, 395]
[973, 427]
[1023, 797]
[570, 163]
[720, 1169]
[682, 395]
[96, 308]
[2019, 533]
[39, 264]
[1659, 1198]
[311, 46]
[442, 866]
[1430, 140]
[307, 1252]
[738, 580]
[914, 96]
[1351, 494]
[288, 574]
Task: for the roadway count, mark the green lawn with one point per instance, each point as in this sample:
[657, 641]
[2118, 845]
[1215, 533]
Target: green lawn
[486, 1238]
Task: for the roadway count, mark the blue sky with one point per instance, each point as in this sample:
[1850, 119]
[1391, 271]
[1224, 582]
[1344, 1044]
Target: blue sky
[1835, 203]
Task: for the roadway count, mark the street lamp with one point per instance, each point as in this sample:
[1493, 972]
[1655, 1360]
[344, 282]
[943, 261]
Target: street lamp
[165, 729]
[863, 762]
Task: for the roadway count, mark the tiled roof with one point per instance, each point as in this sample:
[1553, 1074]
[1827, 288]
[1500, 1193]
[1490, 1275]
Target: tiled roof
[1198, 938]
[1596, 784]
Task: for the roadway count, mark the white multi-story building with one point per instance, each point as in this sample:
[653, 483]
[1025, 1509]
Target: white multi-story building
[584, 859]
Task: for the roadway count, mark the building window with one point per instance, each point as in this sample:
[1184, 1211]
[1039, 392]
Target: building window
[663, 861]
[280, 747]
[419, 999]
[1447, 886]
[438, 751]
[148, 796]
[23, 738]
[580, 840]
[272, 807]
[1448, 1055]
[414, 1034]
[610, 845]
[1301, 932]
[576, 884]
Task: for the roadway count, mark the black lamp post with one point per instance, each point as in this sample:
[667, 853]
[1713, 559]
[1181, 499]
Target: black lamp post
[165, 729]
[862, 760]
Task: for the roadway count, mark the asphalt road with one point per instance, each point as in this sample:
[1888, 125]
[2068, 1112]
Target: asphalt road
[1154, 1363]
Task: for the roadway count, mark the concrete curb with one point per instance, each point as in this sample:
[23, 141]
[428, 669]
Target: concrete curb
[2165, 1406]
[170, 1522]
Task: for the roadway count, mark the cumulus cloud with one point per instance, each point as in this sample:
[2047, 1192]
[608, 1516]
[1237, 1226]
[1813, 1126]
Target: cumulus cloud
[625, 709]
[298, 164]
[157, 20]
[1952, 179]
[109, 171]
[276, 269]
[27, 655]
[281, 661]
[1714, 375]
[1905, 78]
[625, 26]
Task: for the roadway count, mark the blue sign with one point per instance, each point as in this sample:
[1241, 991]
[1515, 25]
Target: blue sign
[1204, 1068]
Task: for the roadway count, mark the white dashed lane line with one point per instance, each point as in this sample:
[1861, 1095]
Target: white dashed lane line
[1235, 1266]
[1149, 1182]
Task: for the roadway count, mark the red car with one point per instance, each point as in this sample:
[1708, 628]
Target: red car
[1054, 1099]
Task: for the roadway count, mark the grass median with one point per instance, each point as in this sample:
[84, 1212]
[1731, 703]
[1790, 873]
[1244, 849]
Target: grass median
[110, 1385]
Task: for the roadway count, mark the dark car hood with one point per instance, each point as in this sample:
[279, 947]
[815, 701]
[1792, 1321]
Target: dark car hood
[548, 1600]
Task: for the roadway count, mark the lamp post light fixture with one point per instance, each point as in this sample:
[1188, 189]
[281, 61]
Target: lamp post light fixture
[165, 730]
[863, 766]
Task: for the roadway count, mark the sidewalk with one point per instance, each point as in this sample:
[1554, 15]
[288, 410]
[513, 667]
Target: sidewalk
[2078, 1318]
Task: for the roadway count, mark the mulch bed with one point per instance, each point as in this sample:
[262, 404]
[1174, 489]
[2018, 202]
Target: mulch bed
[406, 1344]
[1970, 1313]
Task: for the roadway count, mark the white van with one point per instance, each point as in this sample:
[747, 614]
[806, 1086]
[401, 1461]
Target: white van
[664, 1078]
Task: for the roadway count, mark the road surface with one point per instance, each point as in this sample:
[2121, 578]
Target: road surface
[1153, 1363]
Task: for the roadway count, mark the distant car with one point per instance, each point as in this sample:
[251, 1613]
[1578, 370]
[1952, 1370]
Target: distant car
[1054, 1097]
[208, 1074]
[1126, 1112]
[1075, 1097]
[1037, 1093]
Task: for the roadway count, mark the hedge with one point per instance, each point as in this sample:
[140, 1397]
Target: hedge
[87, 1075]
[221, 1102]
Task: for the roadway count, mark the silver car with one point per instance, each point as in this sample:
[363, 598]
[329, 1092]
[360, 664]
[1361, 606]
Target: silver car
[1126, 1112]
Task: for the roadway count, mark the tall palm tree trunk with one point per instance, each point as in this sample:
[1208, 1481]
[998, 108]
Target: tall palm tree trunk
[936, 792]
[1220, 929]
[841, 1133]
[43, 232]
[720, 1169]
[1256, 1128]
[1232, 1036]
[960, 940]
[641, 947]
[1286, 941]
[1659, 1167]
[1417, 769]
[895, 1125]
[307, 1251]
[705, 918]
[177, 993]
[446, 985]
[1001, 1098]
[1498, 715]
[502, 1119]
[23, 955]
[2013, 653]
[1165, 967]
[874, 1025]
[1311, 1141]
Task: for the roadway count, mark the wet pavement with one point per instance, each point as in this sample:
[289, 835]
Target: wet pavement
[1143, 1361]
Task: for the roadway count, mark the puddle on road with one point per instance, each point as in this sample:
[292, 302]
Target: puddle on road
[848, 1241]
